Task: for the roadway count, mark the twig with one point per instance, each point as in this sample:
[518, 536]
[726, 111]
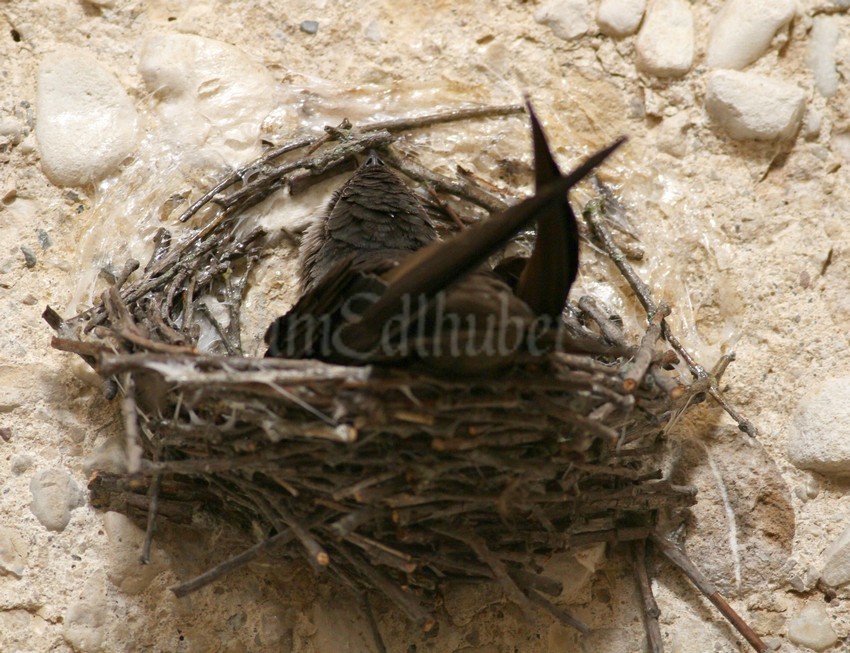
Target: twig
[640, 564]
[204, 310]
[395, 594]
[559, 613]
[459, 187]
[129, 267]
[479, 547]
[366, 607]
[678, 557]
[232, 563]
[643, 357]
[453, 115]
[153, 509]
[593, 214]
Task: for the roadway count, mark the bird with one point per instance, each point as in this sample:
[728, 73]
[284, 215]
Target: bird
[379, 286]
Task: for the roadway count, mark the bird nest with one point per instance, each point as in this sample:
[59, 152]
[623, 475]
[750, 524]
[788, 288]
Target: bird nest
[387, 478]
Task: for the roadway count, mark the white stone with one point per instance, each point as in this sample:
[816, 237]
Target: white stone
[620, 17]
[836, 565]
[85, 123]
[823, 40]
[86, 616]
[818, 436]
[124, 569]
[665, 44]
[566, 18]
[751, 106]
[54, 495]
[743, 29]
[13, 552]
[812, 627]
[210, 93]
[671, 134]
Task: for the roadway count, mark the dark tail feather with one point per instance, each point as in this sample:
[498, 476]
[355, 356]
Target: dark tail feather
[432, 268]
[553, 266]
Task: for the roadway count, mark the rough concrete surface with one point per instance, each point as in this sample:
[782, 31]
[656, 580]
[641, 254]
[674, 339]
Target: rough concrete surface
[748, 241]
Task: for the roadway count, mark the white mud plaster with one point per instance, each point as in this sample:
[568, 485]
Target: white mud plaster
[620, 17]
[821, 55]
[54, 495]
[818, 438]
[86, 617]
[124, 569]
[665, 44]
[743, 29]
[13, 552]
[751, 106]
[568, 19]
[209, 92]
[85, 123]
[812, 627]
[836, 565]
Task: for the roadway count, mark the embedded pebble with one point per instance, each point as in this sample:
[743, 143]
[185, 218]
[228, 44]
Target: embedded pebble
[193, 76]
[817, 439]
[12, 130]
[812, 627]
[836, 565]
[566, 18]
[620, 17]
[671, 134]
[823, 40]
[54, 495]
[309, 26]
[665, 43]
[29, 256]
[86, 124]
[812, 123]
[124, 569]
[85, 618]
[373, 32]
[751, 106]
[13, 552]
[743, 29]
[21, 462]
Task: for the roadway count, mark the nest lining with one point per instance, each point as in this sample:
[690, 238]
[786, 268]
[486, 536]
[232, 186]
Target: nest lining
[389, 479]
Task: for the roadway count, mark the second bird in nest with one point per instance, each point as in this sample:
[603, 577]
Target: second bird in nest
[378, 286]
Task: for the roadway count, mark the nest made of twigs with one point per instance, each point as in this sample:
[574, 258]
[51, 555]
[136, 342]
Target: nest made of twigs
[388, 479]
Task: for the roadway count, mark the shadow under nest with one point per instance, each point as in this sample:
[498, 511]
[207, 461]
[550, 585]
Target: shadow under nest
[389, 479]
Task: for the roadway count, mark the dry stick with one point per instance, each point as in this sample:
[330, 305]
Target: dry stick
[445, 208]
[479, 547]
[366, 607]
[611, 331]
[318, 164]
[393, 592]
[559, 613]
[614, 334]
[204, 310]
[153, 509]
[678, 557]
[129, 267]
[459, 187]
[230, 564]
[382, 554]
[392, 126]
[640, 563]
[453, 115]
[643, 356]
[316, 553]
[593, 214]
